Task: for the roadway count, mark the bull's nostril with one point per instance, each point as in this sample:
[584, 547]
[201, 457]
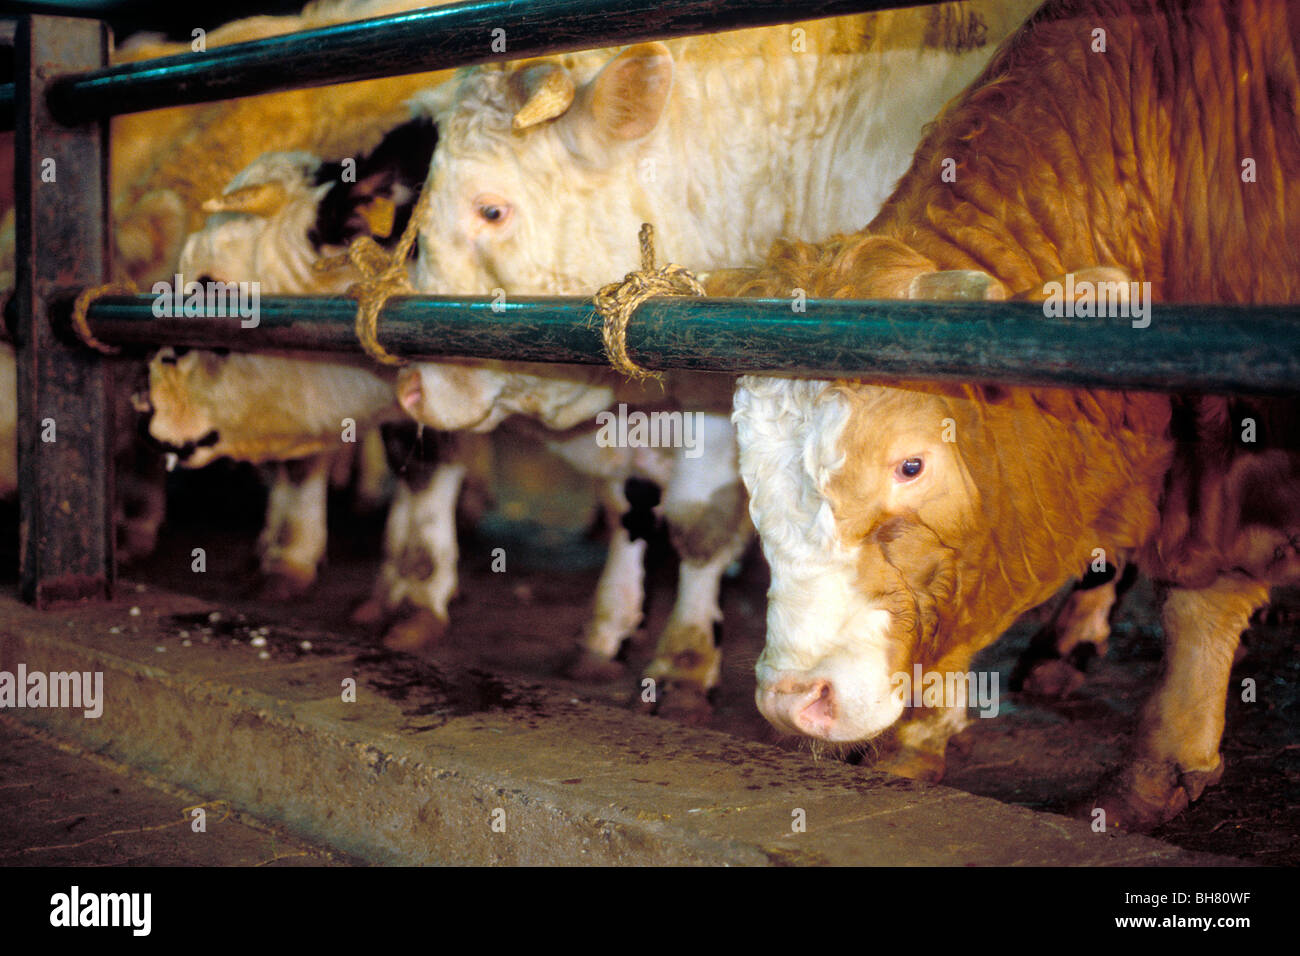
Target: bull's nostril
[799, 704]
[410, 390]
[816, 713]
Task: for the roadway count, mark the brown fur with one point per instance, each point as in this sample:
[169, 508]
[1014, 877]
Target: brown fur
[1048, 476]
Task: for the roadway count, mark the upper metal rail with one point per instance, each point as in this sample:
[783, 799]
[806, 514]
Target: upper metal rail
[437, 38]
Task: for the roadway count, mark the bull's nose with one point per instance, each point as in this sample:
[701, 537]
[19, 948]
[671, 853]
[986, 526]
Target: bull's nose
[410, 390]
[806, 706]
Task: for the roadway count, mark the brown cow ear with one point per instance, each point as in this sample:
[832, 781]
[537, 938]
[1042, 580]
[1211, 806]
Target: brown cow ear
[957, 284]
[628, 98]
[1086, 278]
[546, 91]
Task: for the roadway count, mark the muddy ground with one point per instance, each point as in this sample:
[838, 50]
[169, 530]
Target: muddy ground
[1047, 755]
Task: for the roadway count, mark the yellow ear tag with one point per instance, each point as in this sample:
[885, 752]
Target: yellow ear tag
[380, 214]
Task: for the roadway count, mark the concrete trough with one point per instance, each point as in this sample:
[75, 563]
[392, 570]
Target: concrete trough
[434, 765]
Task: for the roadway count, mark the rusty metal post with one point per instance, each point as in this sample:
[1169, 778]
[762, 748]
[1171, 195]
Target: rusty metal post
[64, 418]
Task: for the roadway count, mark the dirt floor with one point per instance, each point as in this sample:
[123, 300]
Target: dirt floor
[1046, 755]
[65, 807]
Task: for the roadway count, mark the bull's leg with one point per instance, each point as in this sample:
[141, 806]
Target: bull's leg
[629, 506]
[292, 542]
[1176, 752]
[372, 472]
[1054, 663]
[141, 503]
[418, 577]
[921, 737]
[708, 522]
[140, 492]
[620, 592]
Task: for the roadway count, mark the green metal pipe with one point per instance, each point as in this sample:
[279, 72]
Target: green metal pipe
[456, 35]
[1215, 348]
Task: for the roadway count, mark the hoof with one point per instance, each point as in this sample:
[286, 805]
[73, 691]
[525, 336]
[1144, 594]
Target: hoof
[1148, 794]
[913, 764]
[1195, 782]
[416, 632]
[369, 611]
[284, 584]
[680, 701]
[586, 666]
[1053, 679]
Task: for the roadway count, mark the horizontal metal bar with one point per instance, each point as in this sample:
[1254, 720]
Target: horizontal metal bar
[459, 34]
[1207, 347]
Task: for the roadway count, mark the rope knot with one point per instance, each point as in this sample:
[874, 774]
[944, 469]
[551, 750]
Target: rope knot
[617, 301]
[383, 275]
[81, 307]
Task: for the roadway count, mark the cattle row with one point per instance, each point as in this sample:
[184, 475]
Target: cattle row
[985, 149]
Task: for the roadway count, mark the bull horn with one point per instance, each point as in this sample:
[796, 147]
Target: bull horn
[959, 284]
[262, 199]
[546, 90]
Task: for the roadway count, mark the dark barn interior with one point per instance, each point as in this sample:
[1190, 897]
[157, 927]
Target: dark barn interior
[319, 721]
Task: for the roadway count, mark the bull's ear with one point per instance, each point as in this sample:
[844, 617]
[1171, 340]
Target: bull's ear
[1086, 278]
[628, 97]
[261, 199]
[959, 284]
[544, 91]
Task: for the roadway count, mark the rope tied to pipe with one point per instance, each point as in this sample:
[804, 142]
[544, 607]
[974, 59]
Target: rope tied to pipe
[617, 301]
[81, 307]
[383, 276]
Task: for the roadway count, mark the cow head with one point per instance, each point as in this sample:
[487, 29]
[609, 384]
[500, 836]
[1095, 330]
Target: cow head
[256, 407]
[534, 188]
[288, 209]
[180, 418]
[911, 524]
[257, 229]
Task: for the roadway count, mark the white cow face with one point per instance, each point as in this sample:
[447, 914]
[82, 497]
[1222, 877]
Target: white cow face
[533, 189]
[854, 494]
[258, 230]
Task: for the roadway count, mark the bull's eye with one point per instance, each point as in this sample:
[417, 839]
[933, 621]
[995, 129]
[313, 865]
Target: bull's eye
[909, 468]
[493, 210]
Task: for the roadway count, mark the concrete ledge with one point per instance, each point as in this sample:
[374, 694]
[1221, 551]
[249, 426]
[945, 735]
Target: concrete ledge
[432, 766]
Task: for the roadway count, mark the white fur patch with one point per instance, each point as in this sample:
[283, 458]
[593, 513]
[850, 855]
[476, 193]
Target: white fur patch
[819, 626]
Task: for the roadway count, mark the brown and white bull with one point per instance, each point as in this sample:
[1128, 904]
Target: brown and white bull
[545, 172]
[1109, 133]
